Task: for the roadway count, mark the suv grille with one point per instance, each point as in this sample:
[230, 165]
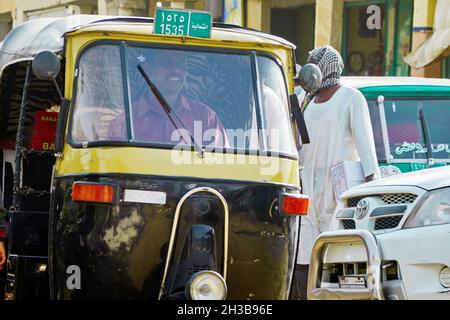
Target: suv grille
[388, 198]
[387, 222]
[348, 224]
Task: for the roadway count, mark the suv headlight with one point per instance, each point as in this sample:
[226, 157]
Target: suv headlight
[444, 277]
[434, 209]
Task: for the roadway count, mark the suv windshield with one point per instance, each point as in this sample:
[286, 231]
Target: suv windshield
[230, 100]
[405, 131]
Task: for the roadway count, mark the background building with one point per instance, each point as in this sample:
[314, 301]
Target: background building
[404, 25]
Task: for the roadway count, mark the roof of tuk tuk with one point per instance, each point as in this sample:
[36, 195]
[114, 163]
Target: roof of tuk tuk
[32, 37]
[372, 87]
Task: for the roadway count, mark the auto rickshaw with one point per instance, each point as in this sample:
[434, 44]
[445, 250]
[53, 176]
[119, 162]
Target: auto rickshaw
[100, 207]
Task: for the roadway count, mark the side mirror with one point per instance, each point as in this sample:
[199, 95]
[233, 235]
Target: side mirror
[46, 65]
[310, 77]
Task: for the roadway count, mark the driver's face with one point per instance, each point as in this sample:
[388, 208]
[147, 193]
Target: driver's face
[168, 71]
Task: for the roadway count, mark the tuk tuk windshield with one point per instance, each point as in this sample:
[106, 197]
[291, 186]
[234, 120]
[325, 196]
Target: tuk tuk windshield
[406, 131]
[221, 99]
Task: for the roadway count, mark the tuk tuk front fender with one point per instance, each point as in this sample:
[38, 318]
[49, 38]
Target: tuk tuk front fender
[175, 226]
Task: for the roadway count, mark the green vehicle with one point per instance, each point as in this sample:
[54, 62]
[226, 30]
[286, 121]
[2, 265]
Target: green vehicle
[410, 119]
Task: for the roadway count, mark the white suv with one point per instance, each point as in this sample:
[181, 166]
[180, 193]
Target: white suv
[390, 240]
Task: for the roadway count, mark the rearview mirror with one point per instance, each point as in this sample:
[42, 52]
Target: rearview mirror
[310, 77]
[46, 65]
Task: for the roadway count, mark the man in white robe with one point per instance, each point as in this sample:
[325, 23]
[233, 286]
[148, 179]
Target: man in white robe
[339, 127]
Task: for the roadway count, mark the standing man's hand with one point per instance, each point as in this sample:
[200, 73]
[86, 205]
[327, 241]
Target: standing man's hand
[2, 255]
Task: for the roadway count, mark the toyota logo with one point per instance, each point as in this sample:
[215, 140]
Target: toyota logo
[362, 209]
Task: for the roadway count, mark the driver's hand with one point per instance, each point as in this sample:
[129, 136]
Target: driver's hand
[2, 255]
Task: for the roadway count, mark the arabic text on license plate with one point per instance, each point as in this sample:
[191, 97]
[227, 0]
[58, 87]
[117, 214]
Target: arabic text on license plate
[352, 282]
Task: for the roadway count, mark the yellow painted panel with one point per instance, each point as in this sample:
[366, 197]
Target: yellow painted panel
[163, 162]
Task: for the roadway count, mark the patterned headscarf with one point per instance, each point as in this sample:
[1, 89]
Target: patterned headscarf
[330, 63]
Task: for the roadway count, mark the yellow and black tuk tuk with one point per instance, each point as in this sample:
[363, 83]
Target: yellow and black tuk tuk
[149, 164]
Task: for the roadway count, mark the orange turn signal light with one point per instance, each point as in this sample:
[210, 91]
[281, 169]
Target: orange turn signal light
[93, 192]
[295, 205]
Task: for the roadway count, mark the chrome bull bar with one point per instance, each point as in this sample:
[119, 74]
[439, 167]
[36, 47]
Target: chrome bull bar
[374, 289]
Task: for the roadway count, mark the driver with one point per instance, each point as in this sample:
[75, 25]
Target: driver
[167, 70]
[2, 237]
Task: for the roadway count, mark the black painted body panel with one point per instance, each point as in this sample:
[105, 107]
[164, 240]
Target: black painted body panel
[121, 249]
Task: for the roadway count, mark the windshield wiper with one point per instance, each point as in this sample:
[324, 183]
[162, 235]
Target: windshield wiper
[427, 137]
[169, 110]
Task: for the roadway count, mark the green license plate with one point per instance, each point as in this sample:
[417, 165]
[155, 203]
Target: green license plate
[183, 22]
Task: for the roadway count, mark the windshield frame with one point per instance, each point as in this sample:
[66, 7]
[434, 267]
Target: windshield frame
[413, 98]
[123, 44]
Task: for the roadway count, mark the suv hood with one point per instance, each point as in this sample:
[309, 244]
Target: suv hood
[427, 179]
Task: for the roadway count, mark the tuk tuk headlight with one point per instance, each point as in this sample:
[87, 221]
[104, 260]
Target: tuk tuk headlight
[206, 285]
[433, 210]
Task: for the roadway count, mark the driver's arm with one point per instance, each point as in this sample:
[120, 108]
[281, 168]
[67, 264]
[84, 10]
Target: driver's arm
[2, 255]
[2, 237]
[221, 138]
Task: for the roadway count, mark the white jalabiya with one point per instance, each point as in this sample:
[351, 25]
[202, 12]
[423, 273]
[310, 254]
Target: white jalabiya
[339, 129]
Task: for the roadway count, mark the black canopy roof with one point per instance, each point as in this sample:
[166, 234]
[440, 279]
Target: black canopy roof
[32, 37]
